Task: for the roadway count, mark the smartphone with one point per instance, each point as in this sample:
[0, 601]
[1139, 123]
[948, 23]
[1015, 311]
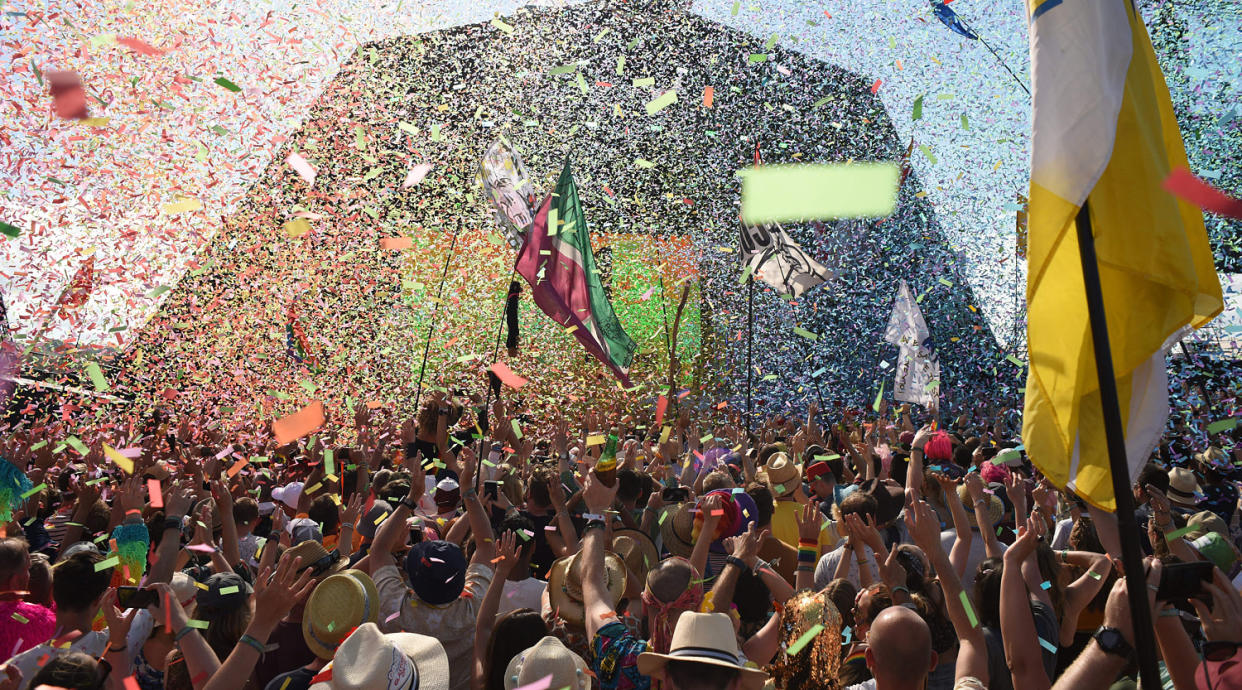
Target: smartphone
[491, 489]
[136, 598]
[1182, 581]
[675, 494]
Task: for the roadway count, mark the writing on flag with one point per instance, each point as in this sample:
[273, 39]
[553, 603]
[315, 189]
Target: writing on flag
[770, 254]
[918, 368]
[507, 185]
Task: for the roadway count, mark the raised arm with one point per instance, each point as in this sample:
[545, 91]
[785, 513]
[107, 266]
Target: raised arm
[914, 474]
[228, 527]
[1022, 643]
[974, 485]
[506, 559]
[393, 528]
[711, 507]
[972, 654]
[177, 500]
[598, 610]
[1095, 668]
[480, 525]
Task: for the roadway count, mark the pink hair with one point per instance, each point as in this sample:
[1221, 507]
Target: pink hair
[993, 473]
[939, 447]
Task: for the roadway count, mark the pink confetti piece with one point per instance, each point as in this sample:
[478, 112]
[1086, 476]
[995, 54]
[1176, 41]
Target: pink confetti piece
[392, 617]
[156, 495]
[416, 175]
[302, 168]
[541, 684]
[140, 46]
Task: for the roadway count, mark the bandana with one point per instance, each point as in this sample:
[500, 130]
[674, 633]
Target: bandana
[661, 612]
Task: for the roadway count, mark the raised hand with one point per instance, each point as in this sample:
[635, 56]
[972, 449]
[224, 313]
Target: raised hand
[118, 622]
[507, 550]
[276, 595]
[746, 545]
[349, 512]
[923, 526]
[597, 495]
[1223, 619]
[809, 522]
[1028, 539]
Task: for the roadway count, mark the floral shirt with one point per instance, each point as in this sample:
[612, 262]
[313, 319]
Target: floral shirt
[614, 658]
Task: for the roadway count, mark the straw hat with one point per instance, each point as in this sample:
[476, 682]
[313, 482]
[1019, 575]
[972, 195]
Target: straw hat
[1203, 522]
[339, 604]
[319, 559]
[1182, 487]
[996, 509]
[1212, 456]
[637, 550]
[784, 476]
[704, 638]
[565, 586]
[677, 530]
[371, 660]
[549, 664]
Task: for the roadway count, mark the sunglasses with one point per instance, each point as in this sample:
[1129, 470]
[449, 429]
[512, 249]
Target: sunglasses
[1220, 650]
[324, 563]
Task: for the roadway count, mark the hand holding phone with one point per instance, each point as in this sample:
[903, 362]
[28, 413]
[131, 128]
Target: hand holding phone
[136, 598]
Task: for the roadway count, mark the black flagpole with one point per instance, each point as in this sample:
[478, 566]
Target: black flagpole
[1127, 526]
[422, 369]
[750, 341]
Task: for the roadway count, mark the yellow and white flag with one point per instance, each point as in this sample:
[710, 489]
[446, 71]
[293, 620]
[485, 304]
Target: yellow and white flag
[1103, 129]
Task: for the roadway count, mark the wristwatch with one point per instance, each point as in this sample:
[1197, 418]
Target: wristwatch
[1112, 642]
[407, 503]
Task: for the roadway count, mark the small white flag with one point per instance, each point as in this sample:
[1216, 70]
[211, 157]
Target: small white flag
[775, 258]
[918, 368]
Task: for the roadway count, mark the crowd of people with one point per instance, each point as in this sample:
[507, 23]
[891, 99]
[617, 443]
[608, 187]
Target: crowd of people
[453, 551]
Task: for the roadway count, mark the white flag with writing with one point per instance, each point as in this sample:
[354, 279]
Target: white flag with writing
[918, 368]
[775, 258]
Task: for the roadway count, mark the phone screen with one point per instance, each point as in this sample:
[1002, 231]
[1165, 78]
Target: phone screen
[135, 598]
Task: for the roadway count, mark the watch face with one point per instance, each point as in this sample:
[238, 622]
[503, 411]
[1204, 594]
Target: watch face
[1109, 638]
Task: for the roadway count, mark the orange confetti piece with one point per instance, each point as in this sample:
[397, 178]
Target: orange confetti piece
[299, 424]
[395, 243]
[505, 374]
[709, 94]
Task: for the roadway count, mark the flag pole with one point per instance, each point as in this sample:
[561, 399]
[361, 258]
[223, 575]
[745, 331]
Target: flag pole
[750, 342]
[1127, 526]
[422, 369]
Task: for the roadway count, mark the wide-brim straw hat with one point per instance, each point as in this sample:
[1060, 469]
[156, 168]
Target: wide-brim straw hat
[339, 604]
[565, 586]
[784, 475]
[1183, 487]
[703, 638]
[548, 664]
[637, 551]
[996, 509]
[677, 530]
[371, 660]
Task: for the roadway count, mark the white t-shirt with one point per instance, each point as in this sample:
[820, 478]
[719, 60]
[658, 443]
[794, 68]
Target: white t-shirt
[522, 594]
[93, 643]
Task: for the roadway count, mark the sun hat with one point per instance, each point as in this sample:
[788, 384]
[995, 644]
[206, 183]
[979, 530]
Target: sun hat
[1203, 522]
[371, 660]
[638, 552]
[184, 589]
[565, 586]
[289, 494]
[1212, 456]
[437, 571]
[339, 604]
[1182, 487]
[224, 590]
[374, 518]
[316, 557]
[784, 476]
[1010, 457]
[705, 638]
[996, 509]
[550, 664]
[677, 530]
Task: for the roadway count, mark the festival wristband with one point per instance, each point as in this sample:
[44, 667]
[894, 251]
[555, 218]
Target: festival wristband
[183, 632]
[248, 640]
[734, 560]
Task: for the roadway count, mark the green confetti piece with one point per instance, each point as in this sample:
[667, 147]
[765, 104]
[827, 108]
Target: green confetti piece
[758, 57]
[620, 65]
[197, 624]
[34, 491]
[780, 193]
[157, 290]
[76, 444]
[970, 610]
[1014, 361]
[661, 102]
[1095, 576]
[97, 377]
[20, 618]
[517, 430]
[944, 282]
[918, 108]
[805, 639]
[221, 81]
[745, 274]
[643, 82]
[663, 515]
[878, 397]
[643, 163]
[107, 562]
[9, 229]
[927, 152]
[770, 42]
[435, 132]
[329, 460]
[1178, 533]
[820, 102]
[805, 333]
[229, 590]
[502, 26]
[965, 123]
[407, 128]
[737, 5]
[564, 69]
[1222, 425]
[705, 439]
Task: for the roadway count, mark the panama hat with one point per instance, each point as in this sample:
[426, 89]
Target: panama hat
[784, 477]
[320, 560]
[637, 551]
[371, 660]
[549, 664]
[1212, 456]
[339, 604]
[1182, 487]
[565, 586]
[677, 530]
[704, 638]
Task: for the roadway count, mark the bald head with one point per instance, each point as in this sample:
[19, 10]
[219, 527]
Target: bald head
[899, 645]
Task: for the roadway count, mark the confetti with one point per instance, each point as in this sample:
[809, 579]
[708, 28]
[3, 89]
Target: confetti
[778, 193]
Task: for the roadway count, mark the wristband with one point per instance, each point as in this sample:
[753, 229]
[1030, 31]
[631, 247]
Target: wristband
[899, 588]
[593, 524]
[182, 633]
[407, 503]
[592, 516]
[808, 555]
[803, 568]
[760, 564]
[808, 544]
[258, 646]
[133, 511]
[734, 560]
[1169, 613]
[174, 523]
[469, 492]
[349, 525]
